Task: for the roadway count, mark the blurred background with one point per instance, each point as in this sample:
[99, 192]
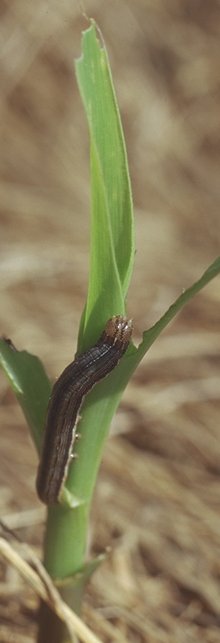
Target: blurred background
[157, 498]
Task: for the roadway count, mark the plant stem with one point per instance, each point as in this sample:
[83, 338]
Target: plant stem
[66, 532]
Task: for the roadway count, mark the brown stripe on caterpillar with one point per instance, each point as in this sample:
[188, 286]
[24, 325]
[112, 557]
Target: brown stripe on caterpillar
[67, 395]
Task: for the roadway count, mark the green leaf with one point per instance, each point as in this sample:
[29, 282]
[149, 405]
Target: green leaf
[150, 335]
[135, 355]
[30, 384]
[112, 233]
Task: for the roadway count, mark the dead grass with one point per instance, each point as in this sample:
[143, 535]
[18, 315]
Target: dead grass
[157, 499]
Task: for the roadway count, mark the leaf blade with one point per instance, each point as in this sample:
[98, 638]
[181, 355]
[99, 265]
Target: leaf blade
[30, 383]
[112, 212]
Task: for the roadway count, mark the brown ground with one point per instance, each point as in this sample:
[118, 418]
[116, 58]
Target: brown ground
[157, 499]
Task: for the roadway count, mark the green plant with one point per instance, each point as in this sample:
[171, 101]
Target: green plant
[111, 262]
